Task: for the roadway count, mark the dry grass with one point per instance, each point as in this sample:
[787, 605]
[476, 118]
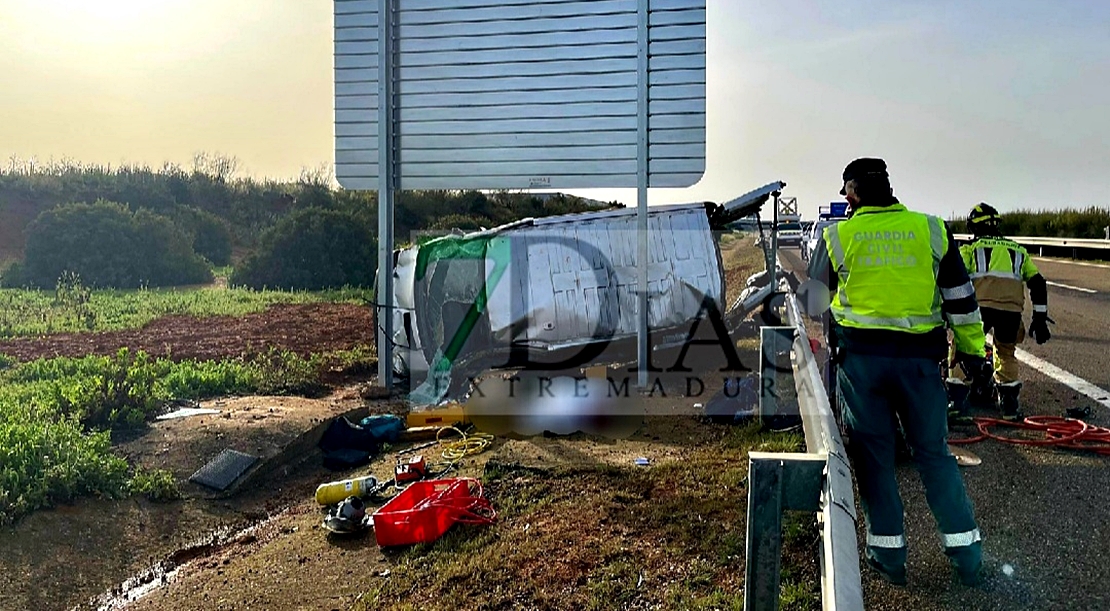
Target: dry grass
[741, 258]
[603, 537]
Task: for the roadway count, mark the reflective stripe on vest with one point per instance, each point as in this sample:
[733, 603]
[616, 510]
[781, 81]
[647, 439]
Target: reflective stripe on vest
[992, 266]
[836, 250]
[966, 319]
[883, 279]
[938, 241]
[963, 539]
[966, 289]
[1019, 261]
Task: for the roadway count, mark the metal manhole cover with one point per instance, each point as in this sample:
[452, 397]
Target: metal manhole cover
[224, 469]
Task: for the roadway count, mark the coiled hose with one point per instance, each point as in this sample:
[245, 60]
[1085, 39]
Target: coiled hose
[1058, 431]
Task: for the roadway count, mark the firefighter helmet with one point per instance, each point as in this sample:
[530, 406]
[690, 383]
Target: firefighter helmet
[984, 220]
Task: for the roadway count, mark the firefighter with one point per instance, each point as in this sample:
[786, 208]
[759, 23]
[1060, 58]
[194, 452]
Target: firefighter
[1000, 269]
[895, 277]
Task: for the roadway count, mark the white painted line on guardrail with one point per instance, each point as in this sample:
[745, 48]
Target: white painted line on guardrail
[1070, 262]
[1068, 286]
[1068, 379]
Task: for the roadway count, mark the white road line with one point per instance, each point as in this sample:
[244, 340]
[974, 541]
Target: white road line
[1073, 382]
[1070, 262]
[1068, 286]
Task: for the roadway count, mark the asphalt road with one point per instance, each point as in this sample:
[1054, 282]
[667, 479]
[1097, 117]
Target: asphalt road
[1081, 336]
[1042, 511]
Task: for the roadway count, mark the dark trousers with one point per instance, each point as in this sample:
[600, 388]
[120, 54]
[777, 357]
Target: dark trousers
[876, 390]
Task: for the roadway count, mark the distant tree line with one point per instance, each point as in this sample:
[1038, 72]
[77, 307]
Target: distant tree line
[1069, 223]
[280, 230]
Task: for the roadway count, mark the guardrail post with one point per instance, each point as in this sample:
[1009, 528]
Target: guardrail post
[764, 544]
[777, 394]
[776, 482]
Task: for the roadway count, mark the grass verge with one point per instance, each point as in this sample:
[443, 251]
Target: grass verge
[741, 258]
[601, 537]
[56, 416]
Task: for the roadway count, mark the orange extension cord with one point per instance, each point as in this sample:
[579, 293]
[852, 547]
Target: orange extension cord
[1058, 432]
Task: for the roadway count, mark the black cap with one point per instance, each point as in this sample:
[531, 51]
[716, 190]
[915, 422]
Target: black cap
[864, 166]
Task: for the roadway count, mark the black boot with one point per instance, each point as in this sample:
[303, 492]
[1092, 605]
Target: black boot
[984, 395]
[1008, 401]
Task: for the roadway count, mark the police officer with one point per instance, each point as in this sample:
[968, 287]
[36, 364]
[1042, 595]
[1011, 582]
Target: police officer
[999, 269]
[895, 278]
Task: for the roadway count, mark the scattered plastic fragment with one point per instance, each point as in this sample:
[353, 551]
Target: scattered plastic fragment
[185, 412]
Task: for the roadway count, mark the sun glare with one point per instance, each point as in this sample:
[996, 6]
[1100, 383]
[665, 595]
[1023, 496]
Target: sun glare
[113, 15]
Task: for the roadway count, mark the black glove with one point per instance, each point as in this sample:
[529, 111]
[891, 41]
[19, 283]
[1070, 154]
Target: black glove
[978, 368]
[1039, 328]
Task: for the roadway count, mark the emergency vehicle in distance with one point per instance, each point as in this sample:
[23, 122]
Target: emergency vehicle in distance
[789, 228]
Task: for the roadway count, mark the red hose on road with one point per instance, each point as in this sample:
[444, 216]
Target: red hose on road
[1058, 432]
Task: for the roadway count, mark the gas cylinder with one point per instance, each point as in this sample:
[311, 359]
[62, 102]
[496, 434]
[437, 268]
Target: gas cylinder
[334, 492]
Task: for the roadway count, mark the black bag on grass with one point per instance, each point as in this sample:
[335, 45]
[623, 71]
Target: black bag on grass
[347, 445]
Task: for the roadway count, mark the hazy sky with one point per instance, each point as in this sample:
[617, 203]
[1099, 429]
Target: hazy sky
[1002, 101]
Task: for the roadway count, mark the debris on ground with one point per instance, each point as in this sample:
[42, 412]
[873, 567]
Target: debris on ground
[425, 510]
[349, 517]
[347, 445]
[222, 471]
[334, 492]
[186, 412]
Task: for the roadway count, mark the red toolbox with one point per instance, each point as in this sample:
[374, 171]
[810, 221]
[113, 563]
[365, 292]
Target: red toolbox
[425, 510]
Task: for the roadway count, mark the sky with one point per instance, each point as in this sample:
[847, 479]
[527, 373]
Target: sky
[1002, 101]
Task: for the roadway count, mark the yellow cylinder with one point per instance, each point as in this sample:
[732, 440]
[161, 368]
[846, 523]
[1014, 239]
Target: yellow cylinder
[334, 492]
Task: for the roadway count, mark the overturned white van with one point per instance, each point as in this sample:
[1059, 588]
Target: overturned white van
[540, 288]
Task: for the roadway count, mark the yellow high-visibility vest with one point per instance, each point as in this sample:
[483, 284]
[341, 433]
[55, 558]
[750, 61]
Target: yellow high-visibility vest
[999, 268]
[886, 260]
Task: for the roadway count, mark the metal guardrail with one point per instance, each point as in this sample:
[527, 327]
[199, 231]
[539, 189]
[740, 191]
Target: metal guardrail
[1041, 243]
[817, 480]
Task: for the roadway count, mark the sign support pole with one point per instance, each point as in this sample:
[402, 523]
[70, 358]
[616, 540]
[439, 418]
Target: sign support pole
[386, 187]
[642, 40]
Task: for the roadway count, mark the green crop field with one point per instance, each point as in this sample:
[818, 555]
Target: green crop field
[73, 308]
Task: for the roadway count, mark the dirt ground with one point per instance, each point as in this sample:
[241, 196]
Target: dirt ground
[301, 328]
[60, 558]
[263, 547]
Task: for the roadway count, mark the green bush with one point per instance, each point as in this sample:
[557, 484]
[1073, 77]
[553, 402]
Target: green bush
[46, 461]
[201, 379]
[465, 222]
[54, 412]
[108, 245]
[158, 485]
[12, 276]
[281, 372]
[208, 233]
[312, 249]
[120, 391]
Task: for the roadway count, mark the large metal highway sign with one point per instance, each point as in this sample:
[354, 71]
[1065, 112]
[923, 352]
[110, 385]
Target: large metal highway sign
[513, 94]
